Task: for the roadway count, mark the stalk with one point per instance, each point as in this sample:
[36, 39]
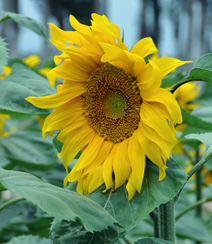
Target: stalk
[166, 221]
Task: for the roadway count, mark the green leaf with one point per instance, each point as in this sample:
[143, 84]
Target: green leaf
[56, 201]
[57, 144]
[194, 121]
[171, 79]
[205, 138]
[26, 239]
[66, 232]
[202, 69]
[152, 241]
[128, 213]
[153, 191]
[193, 228]
[204, 112]
[3, 54]
[21, 83]
[29, 150]
[3, 161]
[26, 22]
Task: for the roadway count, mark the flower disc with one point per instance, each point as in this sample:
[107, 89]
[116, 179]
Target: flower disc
[112, 103]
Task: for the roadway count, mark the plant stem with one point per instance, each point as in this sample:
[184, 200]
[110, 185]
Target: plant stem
[198, 190]
[126, 240]
[6, 204]
[200, 202]
[183, 81]
[166, 221]
[154, 217]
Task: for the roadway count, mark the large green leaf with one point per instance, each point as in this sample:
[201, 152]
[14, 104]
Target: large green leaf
[56, 201]
[21, 83]
[127, 213]
[29, 149]
[3, 54]
[26, 22]
[195, 121]
[202, 69]
[29, 239]
[193, 228]
[204, 112]
[205, 138]
[153, 192]
[152, 241]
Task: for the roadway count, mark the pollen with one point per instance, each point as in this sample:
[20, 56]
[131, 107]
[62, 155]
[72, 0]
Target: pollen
[112, 103]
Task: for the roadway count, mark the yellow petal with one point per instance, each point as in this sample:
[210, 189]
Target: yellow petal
[68, 70]
[95, 178]
[137, 161]
[165, 102]
[100, 158]
[154, 119]
[76, 123]
[130, 62]
[58, 99]
[144, 47]
[63, 115]
[75, 142]
[103, 23]
[149, 79]
[89, 154]
[168, 65]
[121, 164]
[108, 167]
[44, 71]
[130, 188]
[151, 149]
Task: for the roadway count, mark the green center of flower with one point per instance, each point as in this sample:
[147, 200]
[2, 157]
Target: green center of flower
[112, 103]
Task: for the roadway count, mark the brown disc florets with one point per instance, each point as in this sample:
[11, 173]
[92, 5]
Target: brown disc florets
[112, 103]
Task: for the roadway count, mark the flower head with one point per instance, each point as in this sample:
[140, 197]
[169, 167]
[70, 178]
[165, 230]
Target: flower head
[110, 106]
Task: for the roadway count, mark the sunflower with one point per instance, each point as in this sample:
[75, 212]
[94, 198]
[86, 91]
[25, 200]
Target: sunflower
[110, 106]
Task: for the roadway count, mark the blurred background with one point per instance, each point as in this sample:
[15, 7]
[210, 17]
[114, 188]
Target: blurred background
[182, 29]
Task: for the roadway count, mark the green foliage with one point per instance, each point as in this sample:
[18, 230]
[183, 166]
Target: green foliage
[193, 228]
[205, 138]
[116, 203]
[21, 83]
[29, 239]
[26, 22]
[171, 79]
[57, 202]
[3, 54]
[152, 241]
[29, 150]
[202, 69]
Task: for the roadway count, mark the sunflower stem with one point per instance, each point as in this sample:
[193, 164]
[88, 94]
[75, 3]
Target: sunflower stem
[166, 221]
[8, 203]
[198, 190]
[154, 217]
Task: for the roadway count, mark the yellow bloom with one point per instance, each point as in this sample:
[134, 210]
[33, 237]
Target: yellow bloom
[110, 106]
[186, 94]
[31, 61]
[7, 70]
[3, 117]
